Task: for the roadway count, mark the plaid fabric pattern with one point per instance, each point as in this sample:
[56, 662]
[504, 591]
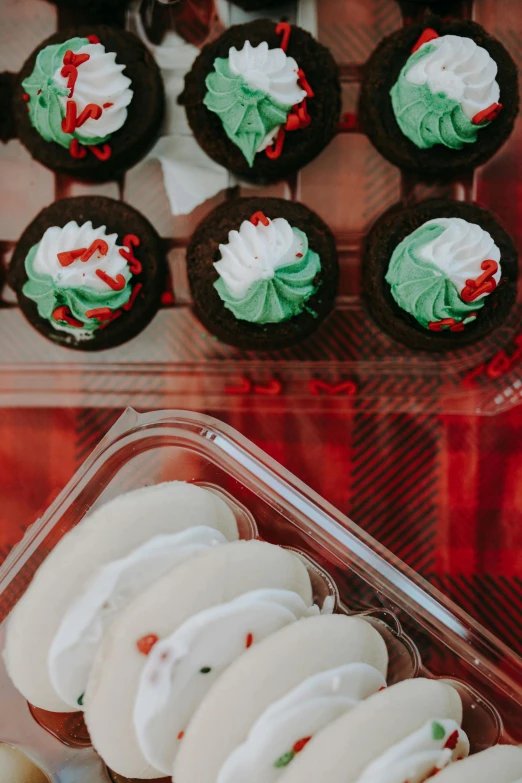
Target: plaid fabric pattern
[443, 493]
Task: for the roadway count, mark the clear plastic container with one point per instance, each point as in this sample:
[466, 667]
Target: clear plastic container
[349, 362]
[425, 633]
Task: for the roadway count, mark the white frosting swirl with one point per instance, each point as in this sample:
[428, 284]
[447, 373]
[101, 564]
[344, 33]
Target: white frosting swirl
[181, 668]
[110, 590]
[79, 273]
[100, 80]
[304, 711]
[254, 253]
[418, 756]
[460, 250]
[460, 69]
[268, 70]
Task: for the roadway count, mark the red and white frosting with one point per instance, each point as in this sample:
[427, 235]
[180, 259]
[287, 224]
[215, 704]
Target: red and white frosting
[460, 252]
[100, 81]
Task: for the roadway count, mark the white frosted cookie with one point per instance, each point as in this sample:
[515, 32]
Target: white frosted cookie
[110, 533]
[16, 767]
[181, 668]
[264, 674]
[501, 764]
[396, 735]
[207, 581]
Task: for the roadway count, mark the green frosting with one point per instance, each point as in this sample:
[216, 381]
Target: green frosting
[282, 297]
[426, 118]
[248, 115]
[46, 111]
[48, 295]
[420, 287]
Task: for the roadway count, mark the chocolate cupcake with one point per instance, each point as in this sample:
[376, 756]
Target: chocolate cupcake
[263, 100]
[440, 274]
[89, 102]
[89, 272]
[263, 272]
[439, 97]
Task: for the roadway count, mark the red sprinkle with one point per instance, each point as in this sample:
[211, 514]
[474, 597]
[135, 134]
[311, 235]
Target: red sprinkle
[486, 115]
[134, 265]
[273, 388]
[284, 29]
[69, 121]
[69, 256]
[451, 742]
[78, 59]
[298, 118]
[93, 39]
[276, 149]
[298, 255]
[300, 744]
[304, 117]
[115, 314]
[259, 217]
[131, 241]
[101, 313]
[167, 298]
[39, 91]
[91, 112]
[146, 643]
[348, 122]
[117, 283]
[70, 58]
[428, 35]
[244, 387]
[107, 105]
[64, 314]
[181, 735]
[99, 245]
[135, 291]
[293, 122]
[436, 326]
[102, 154]
[316, 386]
[484, 284]
[249, 640]
[71, 73]
[76, 150]
[304, 83]
[26, 97]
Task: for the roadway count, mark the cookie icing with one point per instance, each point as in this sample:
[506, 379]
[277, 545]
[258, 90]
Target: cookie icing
[108, 592]
[180, 669]
[267, 271]
[253, 91]
[444, 92]
[76, 285]
[420, 755]
[430, 269]
[288, 724]
[99, 82]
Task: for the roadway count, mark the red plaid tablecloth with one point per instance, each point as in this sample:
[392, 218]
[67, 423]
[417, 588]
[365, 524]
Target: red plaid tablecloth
[443, 493]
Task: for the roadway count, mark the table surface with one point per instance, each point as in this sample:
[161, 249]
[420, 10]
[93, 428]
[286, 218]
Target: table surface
[444, 493]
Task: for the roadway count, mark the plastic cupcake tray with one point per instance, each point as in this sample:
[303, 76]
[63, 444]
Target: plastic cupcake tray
[426, 634]
[349, 363]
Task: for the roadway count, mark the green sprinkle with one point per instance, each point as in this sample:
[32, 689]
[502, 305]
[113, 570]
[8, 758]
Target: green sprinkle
[438, 732]
[205, 670]
[285, 760]
[80, 699]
